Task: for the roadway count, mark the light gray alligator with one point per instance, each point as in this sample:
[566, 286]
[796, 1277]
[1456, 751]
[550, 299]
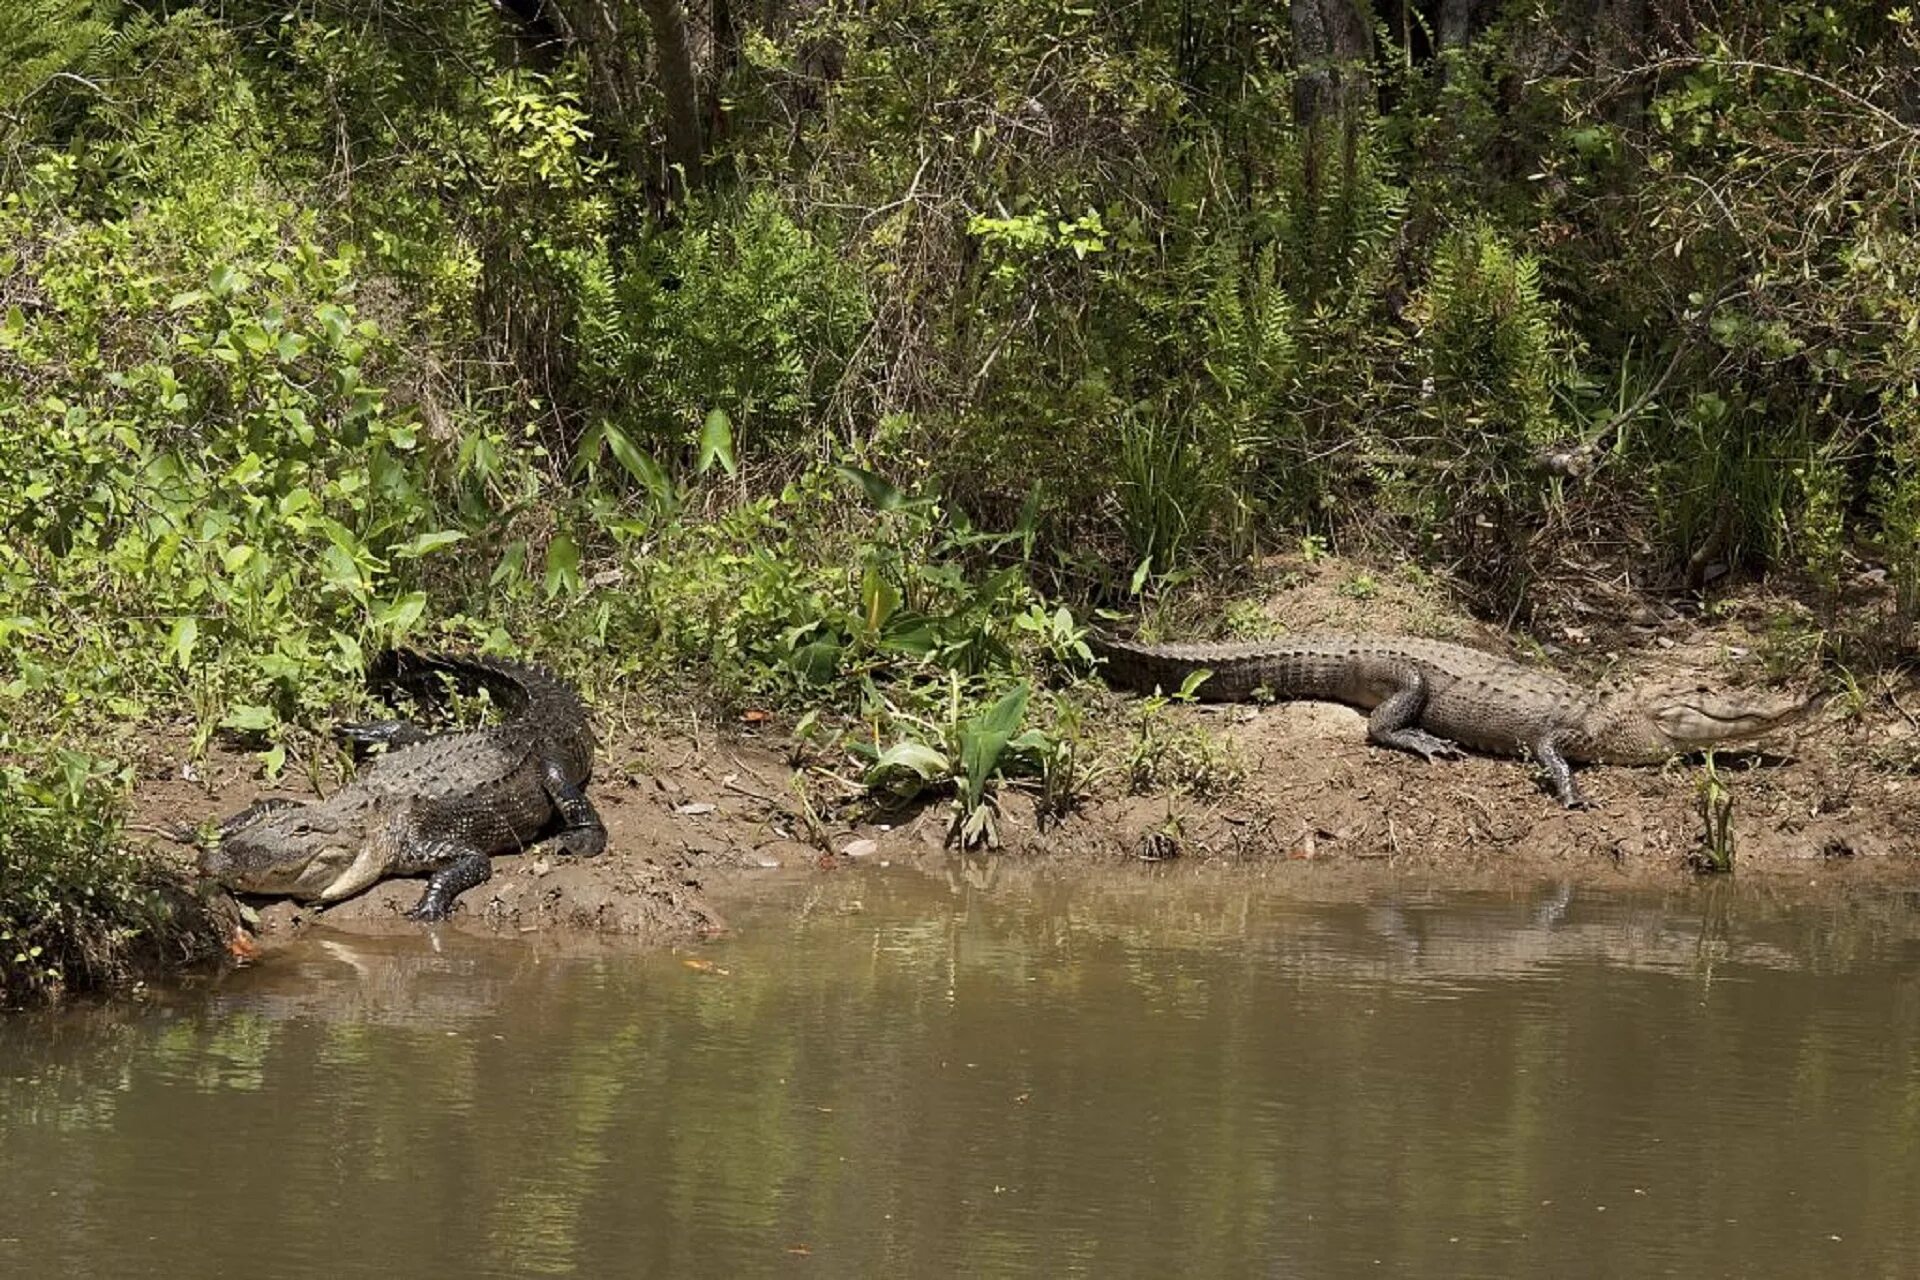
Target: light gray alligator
[435, 805]
[1432, 698]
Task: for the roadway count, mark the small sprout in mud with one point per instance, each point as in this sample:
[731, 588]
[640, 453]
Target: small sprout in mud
[1313, 548]
[1715, 806]
[1853, 698]
[1361, 586]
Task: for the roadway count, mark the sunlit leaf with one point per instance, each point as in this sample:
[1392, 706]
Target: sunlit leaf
[639, 464]
[180, 641]
[401, 614]
[984, 738]
[563, 565]
[250, 719]
[878, 598]
[339, 569]
[422, 544]
[716, 443]
[915, 757]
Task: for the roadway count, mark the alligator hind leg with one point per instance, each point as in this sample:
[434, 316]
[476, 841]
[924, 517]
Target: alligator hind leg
[459, 867]
[581, 833]
[1395, 722]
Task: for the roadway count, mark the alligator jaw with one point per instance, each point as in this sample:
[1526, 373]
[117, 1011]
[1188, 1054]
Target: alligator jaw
[374, 859]
[306, 869]
[1695, 721]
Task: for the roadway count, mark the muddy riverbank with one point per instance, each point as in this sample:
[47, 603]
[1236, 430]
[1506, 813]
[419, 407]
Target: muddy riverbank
[688, 817]
[1292, 788]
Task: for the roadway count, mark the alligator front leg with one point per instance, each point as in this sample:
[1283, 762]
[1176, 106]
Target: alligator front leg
[457, 868]
[581, 833]
[1547, 752]
[1396, 722]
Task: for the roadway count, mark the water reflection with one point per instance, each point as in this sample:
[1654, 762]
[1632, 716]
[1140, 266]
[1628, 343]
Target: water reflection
[1173, 1073]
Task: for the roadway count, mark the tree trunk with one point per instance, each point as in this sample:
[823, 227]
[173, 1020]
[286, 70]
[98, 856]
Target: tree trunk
[673, 65]
[1332, 44]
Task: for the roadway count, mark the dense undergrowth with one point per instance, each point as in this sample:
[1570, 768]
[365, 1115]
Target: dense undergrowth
[346, 323]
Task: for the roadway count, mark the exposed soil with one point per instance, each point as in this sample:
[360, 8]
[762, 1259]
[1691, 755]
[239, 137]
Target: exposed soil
[1288, 786]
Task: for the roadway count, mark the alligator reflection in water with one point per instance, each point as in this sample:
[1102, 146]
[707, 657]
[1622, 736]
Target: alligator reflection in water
[1137, 1074]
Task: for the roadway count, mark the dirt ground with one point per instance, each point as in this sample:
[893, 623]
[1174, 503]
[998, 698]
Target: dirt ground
[1292, 785]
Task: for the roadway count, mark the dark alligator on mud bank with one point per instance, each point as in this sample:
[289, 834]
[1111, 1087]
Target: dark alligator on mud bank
[437, 805]
[1431, 698]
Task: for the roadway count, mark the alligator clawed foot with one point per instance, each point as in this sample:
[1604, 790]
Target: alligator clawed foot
[427, 911]
[1428, 746]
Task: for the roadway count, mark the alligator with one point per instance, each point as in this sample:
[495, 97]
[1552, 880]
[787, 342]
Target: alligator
[439, 805]
[1432, 698]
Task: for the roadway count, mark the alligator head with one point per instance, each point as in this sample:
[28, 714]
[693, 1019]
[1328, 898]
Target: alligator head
[1652, 724]
[312, 852]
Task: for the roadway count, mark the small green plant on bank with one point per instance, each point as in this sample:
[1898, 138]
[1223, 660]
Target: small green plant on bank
[966, 752]
[1178, 759]
[1714, 803]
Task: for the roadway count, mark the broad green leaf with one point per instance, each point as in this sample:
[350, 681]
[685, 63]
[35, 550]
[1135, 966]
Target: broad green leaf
[236, 559]
[880, 493]
[915, 757]
[339, 569]
[1140, 576]
[640, 465]
[913, 634]
[513, 563]
[563, 565]
[985, 737]
[250, 719]
[401, 614]
[1193, 681]
[180, 640]
[246, 471]
[588, 451]
[816, 663]
[716, 443]
[422, 544]
[333, 321]
[878, 598]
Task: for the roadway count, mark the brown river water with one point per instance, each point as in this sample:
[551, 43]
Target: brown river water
[897, 1074]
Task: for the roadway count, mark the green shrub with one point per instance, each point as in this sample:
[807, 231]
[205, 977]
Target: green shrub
[72, 900]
